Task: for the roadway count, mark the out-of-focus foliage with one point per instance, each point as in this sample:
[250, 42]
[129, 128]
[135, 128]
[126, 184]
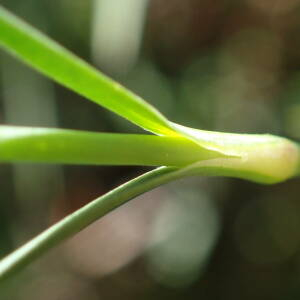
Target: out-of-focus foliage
[218, 65]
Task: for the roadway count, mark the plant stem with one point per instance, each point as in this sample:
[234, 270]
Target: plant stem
[29, 144]
[83, 217]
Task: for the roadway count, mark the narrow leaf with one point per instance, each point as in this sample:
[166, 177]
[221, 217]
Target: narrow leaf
[48, 57]
[42, 53]
[81, 218]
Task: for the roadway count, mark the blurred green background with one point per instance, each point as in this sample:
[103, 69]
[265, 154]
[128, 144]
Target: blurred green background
[222, 65]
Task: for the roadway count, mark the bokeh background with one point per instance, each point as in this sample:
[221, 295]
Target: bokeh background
[225, 65]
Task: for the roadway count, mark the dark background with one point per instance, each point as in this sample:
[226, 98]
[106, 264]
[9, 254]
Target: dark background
[223, 65]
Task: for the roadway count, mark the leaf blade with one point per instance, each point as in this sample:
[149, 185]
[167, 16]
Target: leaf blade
[53, 60]
[47, 56]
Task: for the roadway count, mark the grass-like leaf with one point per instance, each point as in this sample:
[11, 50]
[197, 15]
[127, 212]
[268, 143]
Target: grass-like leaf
[48, 57]
[53, 60]
[83, 217]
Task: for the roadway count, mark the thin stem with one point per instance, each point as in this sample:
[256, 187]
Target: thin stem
[49, 145]
[84, 217]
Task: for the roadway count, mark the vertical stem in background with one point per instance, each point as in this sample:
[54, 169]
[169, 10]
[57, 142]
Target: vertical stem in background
[84, 217]
[115, 47]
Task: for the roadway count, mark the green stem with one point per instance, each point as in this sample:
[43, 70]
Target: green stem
[29, 144]
[84, 217]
